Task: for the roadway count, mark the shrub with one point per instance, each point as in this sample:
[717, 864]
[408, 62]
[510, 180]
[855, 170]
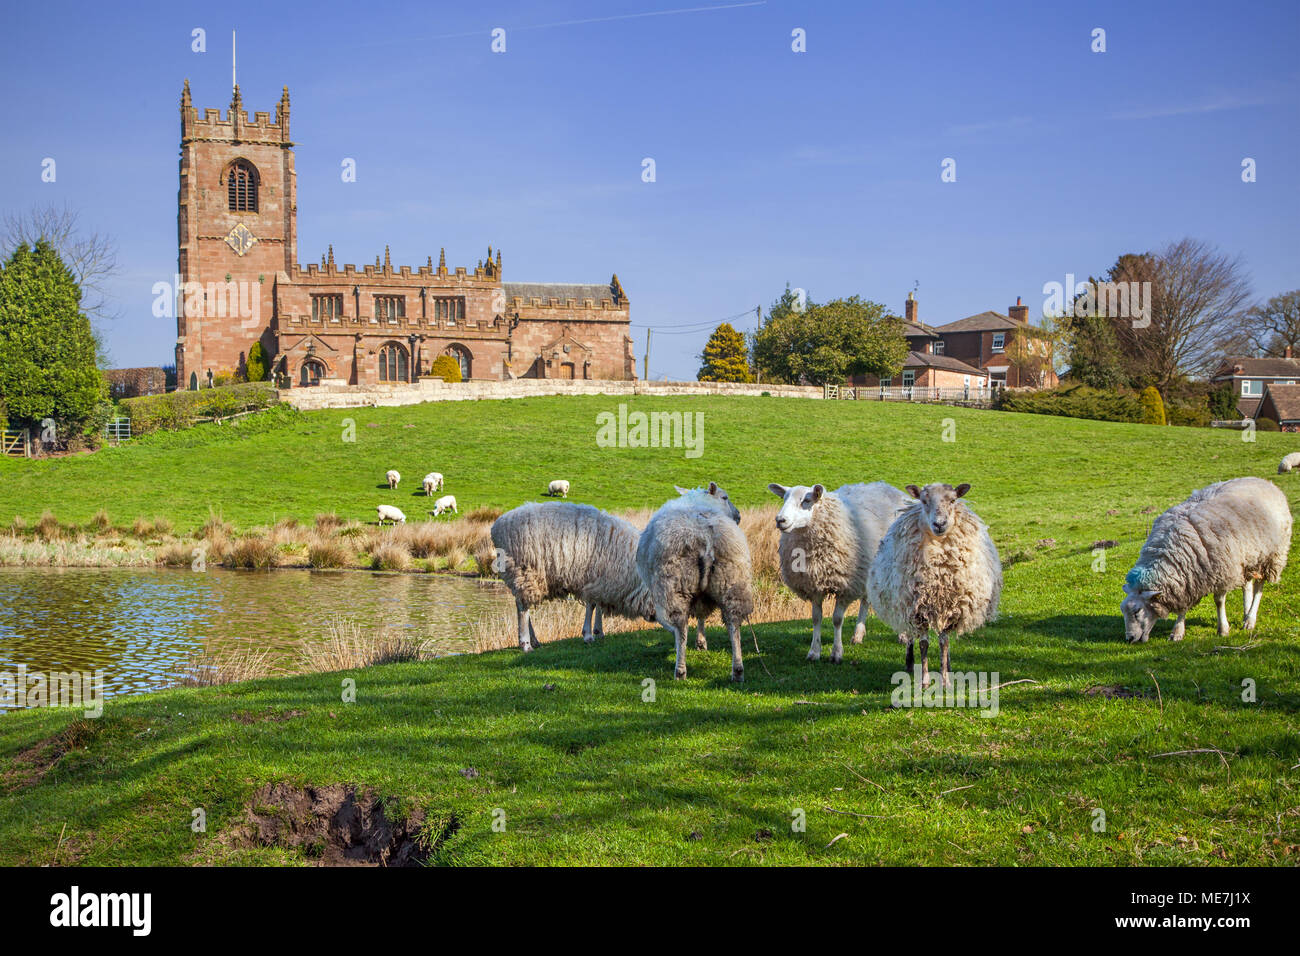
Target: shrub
[1223, 403]
[1195, 416]
[446, 368]
[255, 367]
[1266, 424]
[1153, 406]
[1074, 401]
[183, 409]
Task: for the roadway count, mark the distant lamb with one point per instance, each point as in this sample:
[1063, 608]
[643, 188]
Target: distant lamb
[558, 488]
[556, 550]
[694, 558]
[393, 478]
[432, 482]
[1289, 462]
[937, 570]
[1228, 535]
[828, 539]
[389, 513]
[445, 503]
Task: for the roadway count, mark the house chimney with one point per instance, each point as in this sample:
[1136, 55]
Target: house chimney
[1288, 353]
[909, 311]
[1018, 313]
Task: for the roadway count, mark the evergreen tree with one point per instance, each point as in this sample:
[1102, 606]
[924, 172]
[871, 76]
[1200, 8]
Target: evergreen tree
[255, 367]
[47, 348]
[726, 359]
[1153, 406]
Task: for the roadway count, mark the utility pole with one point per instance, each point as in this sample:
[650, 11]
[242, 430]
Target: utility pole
[645, 375]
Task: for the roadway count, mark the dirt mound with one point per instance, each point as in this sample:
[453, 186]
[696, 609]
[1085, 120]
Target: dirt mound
[340, 825]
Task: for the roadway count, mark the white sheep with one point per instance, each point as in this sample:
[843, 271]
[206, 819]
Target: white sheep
[937, 570]
[694, 558]
[556, 550]
[1289, 462]
[558, 488]
[393, 478]
[432, 482]
[828, 539]
[1229, 535]
[445, 503]
[389, 513]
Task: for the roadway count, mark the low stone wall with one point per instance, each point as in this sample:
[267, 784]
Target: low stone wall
[337, 395]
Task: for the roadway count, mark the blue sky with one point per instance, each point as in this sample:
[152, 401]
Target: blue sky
[821, 169]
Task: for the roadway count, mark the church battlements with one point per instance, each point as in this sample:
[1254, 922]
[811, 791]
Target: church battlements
[234, 125]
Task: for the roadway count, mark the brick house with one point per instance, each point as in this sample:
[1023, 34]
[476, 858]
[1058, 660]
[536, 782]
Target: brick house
[1251, 377]
[1282, 404]
[241, 282]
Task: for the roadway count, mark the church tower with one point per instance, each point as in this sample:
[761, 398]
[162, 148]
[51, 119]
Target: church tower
[237, 226]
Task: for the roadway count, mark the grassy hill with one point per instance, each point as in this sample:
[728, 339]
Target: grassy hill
[561, 750]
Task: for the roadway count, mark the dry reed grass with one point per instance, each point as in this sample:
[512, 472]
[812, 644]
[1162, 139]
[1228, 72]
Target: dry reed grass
[348, 647]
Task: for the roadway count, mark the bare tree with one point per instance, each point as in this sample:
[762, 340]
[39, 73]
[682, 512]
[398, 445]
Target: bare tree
[1274, 327]
[92, 256]
[1198, 296]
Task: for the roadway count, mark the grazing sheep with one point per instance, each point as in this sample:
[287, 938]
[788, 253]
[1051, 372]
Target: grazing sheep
[389, 513]
[556, 550]
[445, 503]
[393, 478]
[1290, 461]
[694, 558]
[937, 570]
[558, 488]
[432, 482]
[828, 539]
[1232, 534]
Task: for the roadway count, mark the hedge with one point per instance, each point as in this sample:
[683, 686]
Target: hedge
[1074, 401]
[181, 409]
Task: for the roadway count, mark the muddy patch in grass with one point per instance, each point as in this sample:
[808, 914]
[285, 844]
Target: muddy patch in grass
[340, 825]
[33, 763]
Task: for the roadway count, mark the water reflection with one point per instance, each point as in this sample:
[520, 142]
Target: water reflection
[141, 626]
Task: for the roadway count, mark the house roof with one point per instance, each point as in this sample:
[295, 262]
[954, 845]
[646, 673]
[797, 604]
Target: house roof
[1256, 367]
[1285, 400]
[926, 360]
[559, 290]
[989, 321]
[918, 330]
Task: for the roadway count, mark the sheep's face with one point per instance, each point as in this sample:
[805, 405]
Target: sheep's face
[716, 491]
[938, 505]
[797, 505]
[1140, 614]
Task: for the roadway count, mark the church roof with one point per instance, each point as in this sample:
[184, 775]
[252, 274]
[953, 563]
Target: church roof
[559, 290]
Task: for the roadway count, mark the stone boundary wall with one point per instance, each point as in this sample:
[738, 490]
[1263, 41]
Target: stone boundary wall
[333, 394]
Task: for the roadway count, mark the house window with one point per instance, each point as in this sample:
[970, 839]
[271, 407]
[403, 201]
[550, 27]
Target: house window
[390, 307]
[999, 341]
[326, 307]
[449, 310]
[886, 382]
[393, 365]
[241, 187]
[938, 346]
[1251, 387]
[909, 379]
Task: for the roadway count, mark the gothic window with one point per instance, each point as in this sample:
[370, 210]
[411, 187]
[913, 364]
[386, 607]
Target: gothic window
[390, 307]
[449, 311]
[464, 359]
[326, 307]
[393, 365]
[312, 372]
[241, 186]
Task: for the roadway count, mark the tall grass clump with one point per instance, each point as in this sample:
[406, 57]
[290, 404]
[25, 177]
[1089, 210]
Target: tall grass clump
[324, 552]
[390, 556]
[47, 527]
[252, 552]
[347, 647]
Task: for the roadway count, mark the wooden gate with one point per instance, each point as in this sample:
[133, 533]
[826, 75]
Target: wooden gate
[17, 443]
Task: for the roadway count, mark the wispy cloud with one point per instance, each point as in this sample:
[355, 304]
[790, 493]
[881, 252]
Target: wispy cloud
[1217, 104]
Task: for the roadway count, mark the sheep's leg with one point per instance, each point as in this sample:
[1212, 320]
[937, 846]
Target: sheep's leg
[1254, 606]
[1221, 603]
[815, 652]
[860, 628]
[910, 660]
[679, 639]
[532, 632]
[1247, 596]
[701, 641]
[924, 642]
[943, 657]
[733, 632]
[524, 625]
[599, 629]
[586, 626]
[1180, 627]
[837, 619]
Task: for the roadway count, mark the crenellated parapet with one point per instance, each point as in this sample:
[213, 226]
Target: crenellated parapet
[234, 126]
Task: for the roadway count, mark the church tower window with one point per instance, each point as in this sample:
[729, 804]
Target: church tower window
[241, 186]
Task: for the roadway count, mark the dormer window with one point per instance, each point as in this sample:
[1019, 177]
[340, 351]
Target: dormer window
[938, 346]
[241, 186]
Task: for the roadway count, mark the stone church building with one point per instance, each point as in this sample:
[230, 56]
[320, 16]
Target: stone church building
[242, 283]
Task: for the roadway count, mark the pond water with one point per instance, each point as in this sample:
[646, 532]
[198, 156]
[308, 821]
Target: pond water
[141, 627]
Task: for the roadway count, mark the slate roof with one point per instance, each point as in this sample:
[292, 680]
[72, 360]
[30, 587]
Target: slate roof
[946, 362]
[558, 290]
[1285, 400]
[989, 321]
[1252, 367]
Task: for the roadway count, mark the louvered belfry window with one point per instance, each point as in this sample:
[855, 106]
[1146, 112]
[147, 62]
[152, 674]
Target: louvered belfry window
[241, 187]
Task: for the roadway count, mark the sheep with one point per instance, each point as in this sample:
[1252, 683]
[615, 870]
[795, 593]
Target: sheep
[1228, 535]
[559, 549]
[1290, 461]
[937, 570]
[432, 483]
[445, 503]
[828, 539]
[393, 478]
[694, 558]
[558, 488]
[389, 513]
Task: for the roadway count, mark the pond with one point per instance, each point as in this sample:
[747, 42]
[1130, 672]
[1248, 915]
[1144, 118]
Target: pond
[142, 627]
